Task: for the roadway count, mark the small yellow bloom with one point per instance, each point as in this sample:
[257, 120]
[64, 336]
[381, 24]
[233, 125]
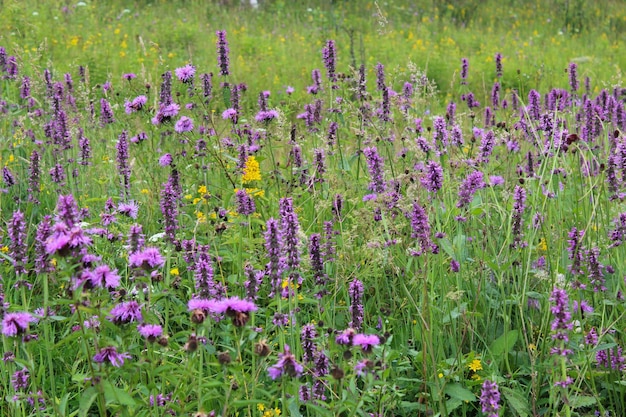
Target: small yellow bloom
[251, 170]
[196, 201]
[202, 189]
[188, 196]
[542, 246]
[174, 271]
[260, 407]
[440, 374]
[475, 365]
[4, 249]
[145, 191]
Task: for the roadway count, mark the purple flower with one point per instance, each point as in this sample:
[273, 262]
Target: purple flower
[562, 322]
[290, 90]
[150, 331]
[126, 312]
[122, 163]
[64, 239]
[245, 203]
[231, 114]
[355, 289]
[498, 59]
[472, 183]
[421, 229]
[490, 398]
[19, 380]
[495, 180]
[222, 53]
[380, 77]
[149, 258]
[265, 116]
[169, 209]
[185, 74]
[433, 179]
[464, 70]
[573, 78]
[106, 113]
[103, 276]
[519, 205]
[273, 244]
[110, 354]
[329, 54]
[184, 124]
[129, 76]
[135, 105]
[307, 336]
[18, 246]
[375, 167]
[16, 323]
[289, 229]
[366, 341]
[165, 160]
[165, 113]
[129, 209]
[286, 365]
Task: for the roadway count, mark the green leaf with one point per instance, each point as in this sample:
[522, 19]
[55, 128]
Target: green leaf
[294, 409]
[226, 97]
[86, 399]
[459, 392]
[114, 395]
[505, 343]
[453, 404]
[577, 401]
[517, 401]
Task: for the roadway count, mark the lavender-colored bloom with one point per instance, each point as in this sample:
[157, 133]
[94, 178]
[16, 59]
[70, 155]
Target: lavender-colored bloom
[129, 76]
[129, 209]
[289, 229]
[122, 163]
[380, 77]
[595, 270]
[498, 60]
[345, 337]
[17, 247]
[148, 258]
[253, 282]
[64, 239]
[185, 74]
[472, 183]
[85, 148]
[126, 312]
[273, 244]
[519, 205]
[490, 398]
[421, 230]
[11, 67]
[25, 88]
[534, 105]
[451, 112]
[109, 354]
[464, 70]
[165, 113]
[375, 167]
[165, 160]
[617, 236]
[184, 124]
[135, 105]
[231, 114]
[307, 337]
[433, 178]
[265, 116]
[611, 358]
[106, 113]
[245, 203]
[317, 263]
[317, 82]
[496, 180]
[575, 250]
[440, 134]
[355, 289]
[495, 95]
[169, 209]
[562, 323]
[573, 77]
[16, 323]
[103, 276]
[8, 177]
[366, 341]
[42, 259]
[151, 332]
[319, 158]
[19, 380]
[222, 53]
[329, 54]
[286, 365]
[332, 134]
[455, 266]
[34, 171]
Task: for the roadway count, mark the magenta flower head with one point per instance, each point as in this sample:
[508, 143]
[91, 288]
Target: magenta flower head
[16, 323]
[102, 276]
[286, 365]
[235, 308]
[184, 124]
[185, 74]
[109, 354]
[490, 398]
[151, 332]
[366, 341]
[126, 312]
[166, 160]
[149, 258]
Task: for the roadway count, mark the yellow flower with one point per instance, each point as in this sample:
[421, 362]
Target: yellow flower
[542, 246]
[251, 170]
[440, 374]
[174, 271]
[202, 189]
[145, 191]
[4, 249]
[260, 407]
[475, 365]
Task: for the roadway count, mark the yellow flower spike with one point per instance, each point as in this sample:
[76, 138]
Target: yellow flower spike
[251, 170]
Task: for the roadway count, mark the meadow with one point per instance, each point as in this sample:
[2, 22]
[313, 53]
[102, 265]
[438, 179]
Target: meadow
[312, 208]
